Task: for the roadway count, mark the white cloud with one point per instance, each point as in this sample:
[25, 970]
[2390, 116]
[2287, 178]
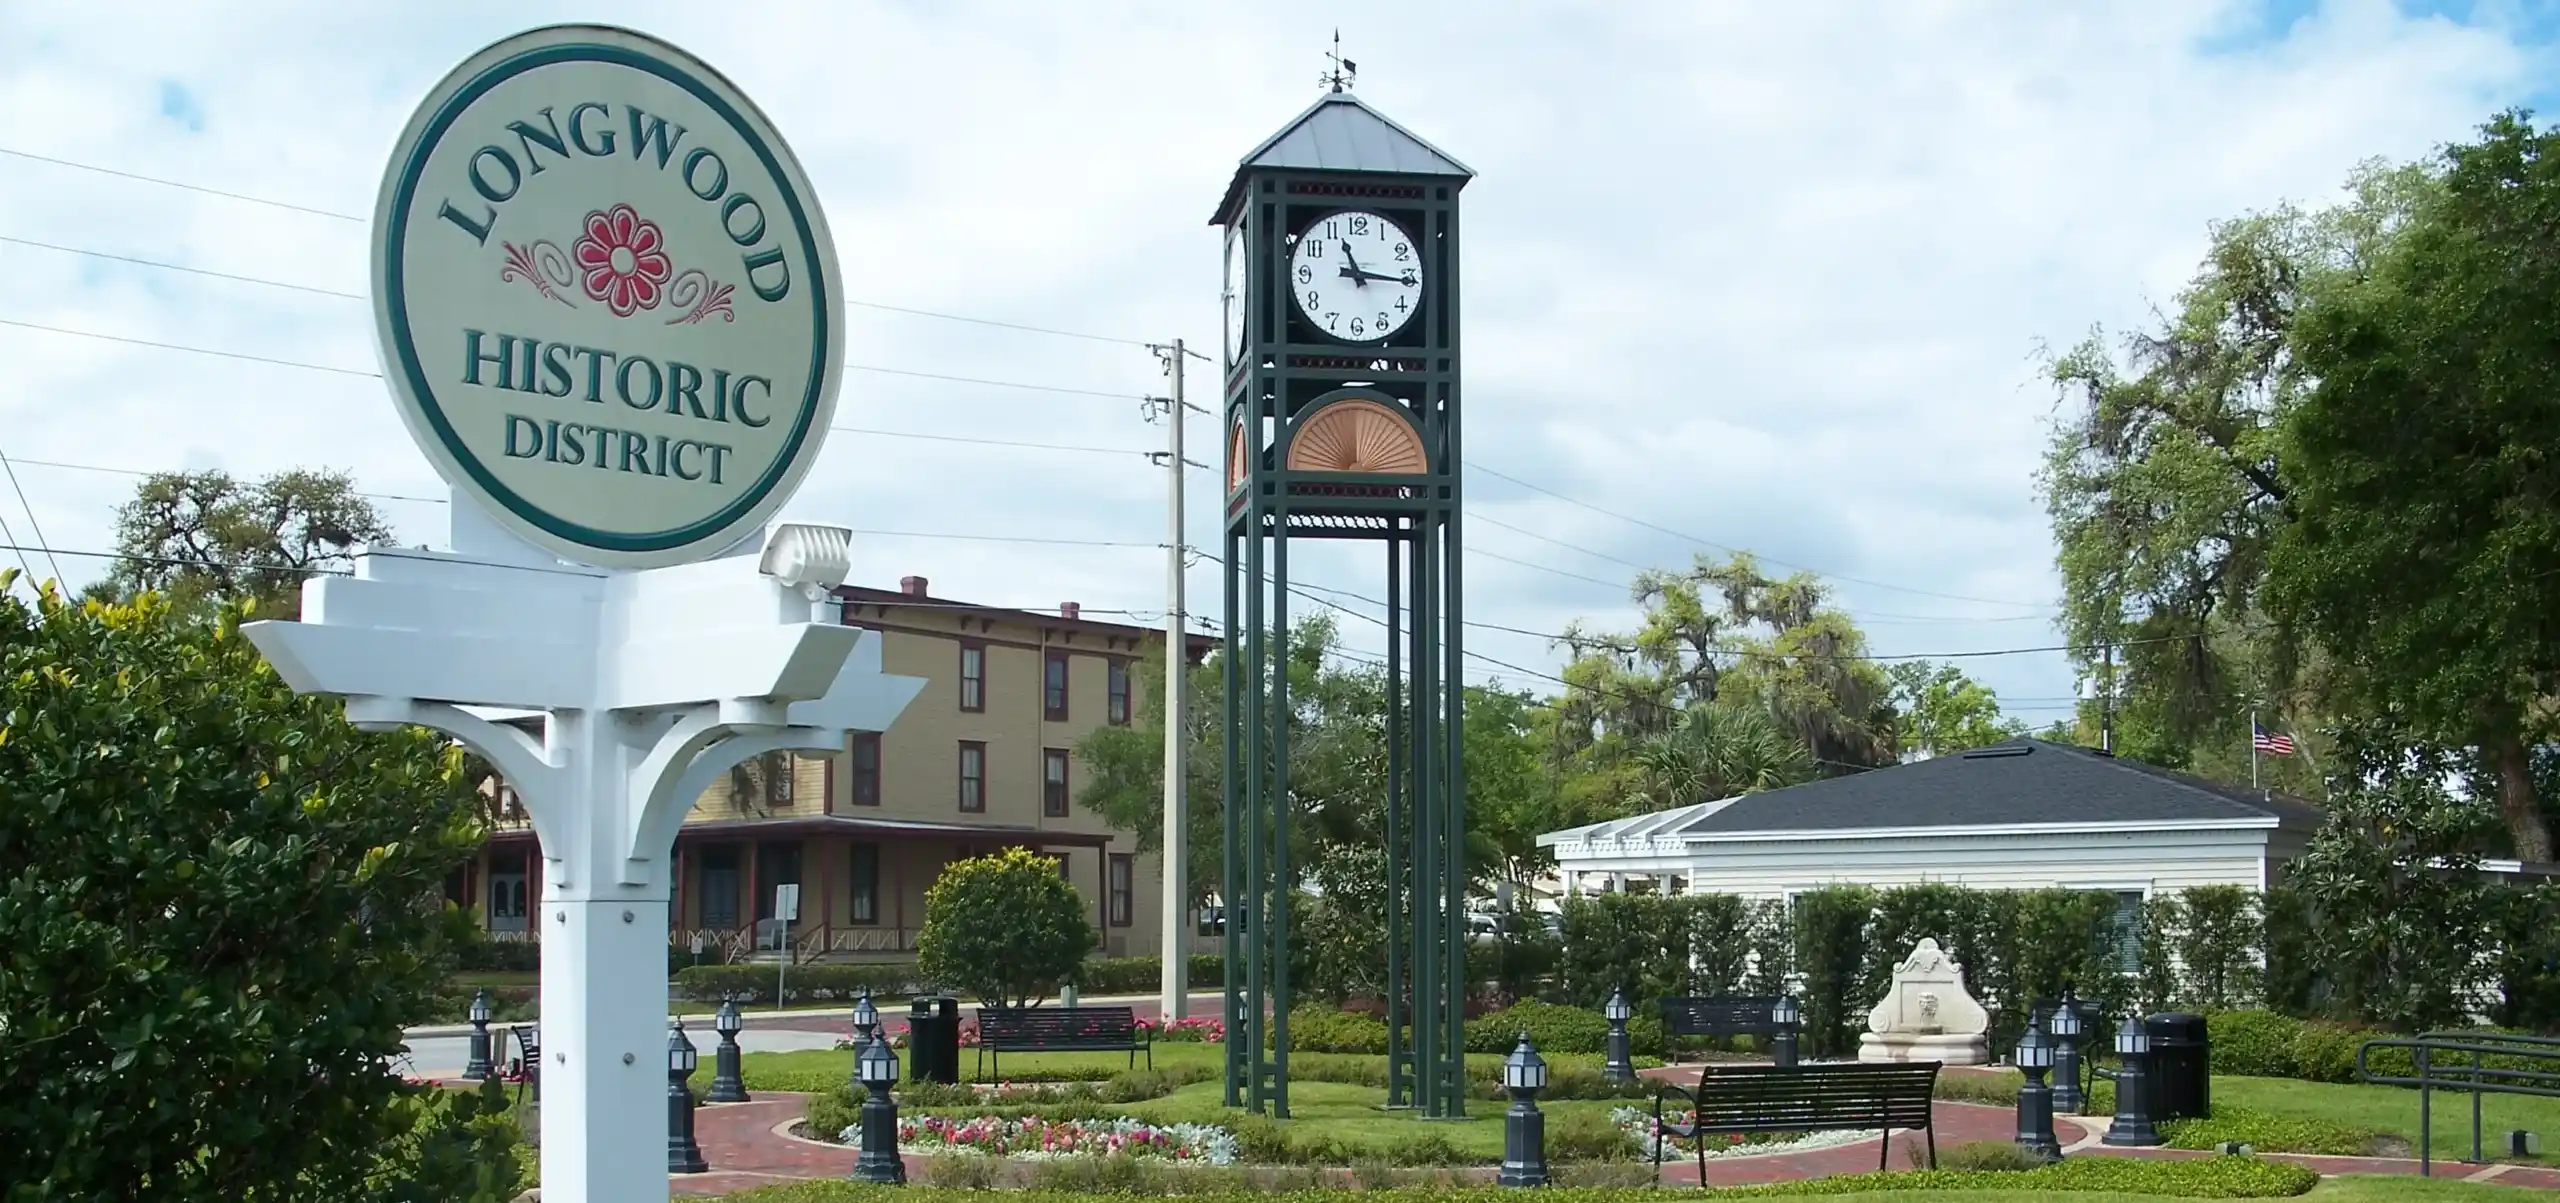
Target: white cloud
[1769, 275]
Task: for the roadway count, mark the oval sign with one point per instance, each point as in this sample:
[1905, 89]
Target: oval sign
[606, 298]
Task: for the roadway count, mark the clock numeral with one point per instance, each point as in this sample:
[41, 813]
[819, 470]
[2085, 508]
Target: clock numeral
[1306, 274]
[1314, 248]
[1383, 323]
[1403, 252]
[1330, 320]
[1330, 231]
[1359, 225]
[1408, 277]
[1314, 298]
[1358, 329]
[1400, 307]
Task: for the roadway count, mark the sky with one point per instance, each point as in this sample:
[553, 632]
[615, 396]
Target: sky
[1774, 277]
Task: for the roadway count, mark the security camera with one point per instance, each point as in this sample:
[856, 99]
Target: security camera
[811, 559]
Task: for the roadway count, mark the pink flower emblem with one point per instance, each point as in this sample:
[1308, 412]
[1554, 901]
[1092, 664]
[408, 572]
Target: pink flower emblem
[623, 260]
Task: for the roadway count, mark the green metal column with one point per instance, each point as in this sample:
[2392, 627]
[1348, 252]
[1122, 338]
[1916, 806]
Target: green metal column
[1231, 929]
[1399, 846]
[1257, 765]
[1282, 882]
[1453, 826]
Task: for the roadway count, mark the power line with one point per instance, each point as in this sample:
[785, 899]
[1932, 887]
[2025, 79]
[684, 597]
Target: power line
[152, 179]
[1729, 550]
[373, 375]
[1023, 327]
[32, 523]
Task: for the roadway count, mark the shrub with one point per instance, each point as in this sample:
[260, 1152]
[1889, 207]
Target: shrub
[214, 915]
[455, 1146]
[2252, 1043]
[2268, 1133]
[1143, 975]
[2219, 936]
[1552, 1028]
[1831, 953]
[1004, 929]
[1318, 1029]
[2204, 1178]
[1987, 1155]
[754, 984]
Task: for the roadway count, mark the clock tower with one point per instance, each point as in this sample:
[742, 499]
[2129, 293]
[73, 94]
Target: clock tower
[1341, 422]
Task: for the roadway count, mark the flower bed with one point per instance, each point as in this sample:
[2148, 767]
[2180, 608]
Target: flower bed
[1187, 1031]
[1033, 1138]
[1639, 1126]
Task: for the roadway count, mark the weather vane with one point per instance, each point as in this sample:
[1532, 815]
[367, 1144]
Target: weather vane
[1344, 73]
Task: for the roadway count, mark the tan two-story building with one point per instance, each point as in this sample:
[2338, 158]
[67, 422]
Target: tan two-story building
[983, 759]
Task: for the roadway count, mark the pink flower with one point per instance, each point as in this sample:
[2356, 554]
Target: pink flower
[624, 260]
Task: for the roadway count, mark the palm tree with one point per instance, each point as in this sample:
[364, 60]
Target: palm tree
[1719, 751]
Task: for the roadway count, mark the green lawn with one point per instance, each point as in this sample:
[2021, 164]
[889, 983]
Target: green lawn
[2394, 1112]
[2389, 1111]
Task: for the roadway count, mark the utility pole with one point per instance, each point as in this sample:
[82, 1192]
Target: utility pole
[1175, 1000]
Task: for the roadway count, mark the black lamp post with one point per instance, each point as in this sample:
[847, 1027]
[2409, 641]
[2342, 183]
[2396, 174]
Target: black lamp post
[1782, 1045]
[726, 1087]
[1621, 1066]
[866, 1020]
[477, 1068]
[877, 1069]
[2132, 1126]
[1524, 1127]
[683, 1155]
[2035, 1099]
[2067, 1030]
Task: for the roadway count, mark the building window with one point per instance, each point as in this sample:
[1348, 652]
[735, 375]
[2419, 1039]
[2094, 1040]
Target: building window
[866, 885]
[973, 677]
[866, 768]
[973, 776]
[1053, 782]
[1124, 888]
[1117, 712]
[2128, 930]
[1053, 687]
[719, 886]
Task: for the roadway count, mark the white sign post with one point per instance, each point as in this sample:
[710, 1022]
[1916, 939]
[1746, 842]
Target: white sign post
[608, 306]
[786, 911]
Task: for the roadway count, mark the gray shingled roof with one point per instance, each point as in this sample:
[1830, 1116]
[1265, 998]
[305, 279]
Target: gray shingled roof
[2026, 781]
[1340, 132]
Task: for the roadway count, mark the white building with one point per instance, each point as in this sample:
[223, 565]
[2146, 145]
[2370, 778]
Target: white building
[2019, 815]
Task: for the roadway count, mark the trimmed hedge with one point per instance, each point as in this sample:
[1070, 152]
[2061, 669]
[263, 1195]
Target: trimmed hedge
[828, 982]
[2263, 1044]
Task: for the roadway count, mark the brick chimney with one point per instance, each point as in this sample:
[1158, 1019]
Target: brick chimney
[1070, 611]
[912, 586]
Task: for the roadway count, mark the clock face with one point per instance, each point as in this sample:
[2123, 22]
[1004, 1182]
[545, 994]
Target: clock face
[1356, 275]
[1236, 279]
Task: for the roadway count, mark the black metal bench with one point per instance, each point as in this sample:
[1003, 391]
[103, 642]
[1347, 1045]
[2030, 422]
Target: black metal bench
[1060, 1030]
[1844, 1097]
[1742, 1015]
[528, 1068]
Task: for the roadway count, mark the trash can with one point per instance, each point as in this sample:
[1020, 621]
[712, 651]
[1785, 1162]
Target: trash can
[933, 1039]
[2181, 1058]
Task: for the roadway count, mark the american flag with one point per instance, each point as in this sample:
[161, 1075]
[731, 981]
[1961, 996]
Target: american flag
[2273, 743]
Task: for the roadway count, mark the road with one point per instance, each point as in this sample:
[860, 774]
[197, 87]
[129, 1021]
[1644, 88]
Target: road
[444, 1056]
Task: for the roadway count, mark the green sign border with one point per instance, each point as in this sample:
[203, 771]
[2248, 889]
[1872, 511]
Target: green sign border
[404, 349]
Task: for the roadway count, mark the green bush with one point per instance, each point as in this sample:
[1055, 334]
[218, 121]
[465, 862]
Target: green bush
[1831, 953]
[1144, 975]
[2267, 1133]
[1554, 1029]
[1007, 929]
[2205, 1178]
[507, 1004]
[2220, 933]
[1986, 1155]
[2258, 1044]
[219, 903]
[1320, 1029]
[456, 1146]
[480, 954]
[753, 985]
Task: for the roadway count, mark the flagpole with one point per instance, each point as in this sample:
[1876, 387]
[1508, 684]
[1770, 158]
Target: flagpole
[2253, 747]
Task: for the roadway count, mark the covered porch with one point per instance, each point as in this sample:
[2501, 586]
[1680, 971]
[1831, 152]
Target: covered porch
[861, 882]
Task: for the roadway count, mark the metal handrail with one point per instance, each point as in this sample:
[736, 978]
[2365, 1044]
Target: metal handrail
[2475, 1079]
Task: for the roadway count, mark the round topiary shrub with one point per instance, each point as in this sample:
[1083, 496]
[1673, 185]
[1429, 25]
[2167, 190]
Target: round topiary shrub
[1006, 929]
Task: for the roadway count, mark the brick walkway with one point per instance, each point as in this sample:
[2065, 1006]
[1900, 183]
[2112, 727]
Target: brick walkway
[745, 1147]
